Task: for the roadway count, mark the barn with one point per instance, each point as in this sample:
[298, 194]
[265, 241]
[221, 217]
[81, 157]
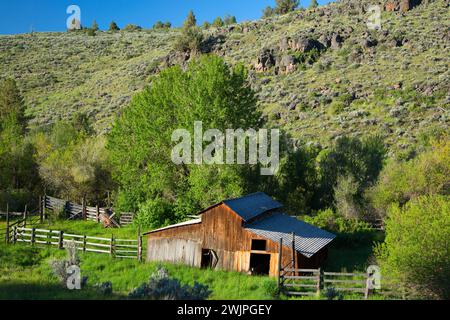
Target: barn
[241, 235]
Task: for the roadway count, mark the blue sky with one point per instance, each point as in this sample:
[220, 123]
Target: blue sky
[21, 16]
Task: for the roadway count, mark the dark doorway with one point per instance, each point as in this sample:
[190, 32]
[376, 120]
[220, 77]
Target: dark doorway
[259, 263]
[207, 258]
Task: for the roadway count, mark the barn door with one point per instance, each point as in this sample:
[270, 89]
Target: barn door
[209, 259]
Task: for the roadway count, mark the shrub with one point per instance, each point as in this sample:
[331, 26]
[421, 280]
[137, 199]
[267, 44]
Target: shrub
[113, 26]
[332, 294]
[218, 22]
[349, 231]
[415, 254]
[155, 213]
[161, 287]
[132, 28]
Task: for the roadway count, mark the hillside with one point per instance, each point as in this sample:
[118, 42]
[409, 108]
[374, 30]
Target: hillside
[321, 73]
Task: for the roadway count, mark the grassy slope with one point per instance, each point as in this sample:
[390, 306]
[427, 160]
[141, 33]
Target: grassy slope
[61, 73]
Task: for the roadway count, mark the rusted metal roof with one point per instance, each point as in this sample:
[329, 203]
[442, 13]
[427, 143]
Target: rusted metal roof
[182, 224]
[253, 205]
[308, 239]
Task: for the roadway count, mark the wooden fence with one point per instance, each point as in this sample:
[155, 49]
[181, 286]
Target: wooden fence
[18, 219]
[126, 218]
[117, 248]
[79, 211]
[310, 282]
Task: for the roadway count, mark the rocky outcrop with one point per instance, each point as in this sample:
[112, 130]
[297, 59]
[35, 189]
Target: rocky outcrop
[266, 60]
[300, 44]
[286, 64]
[336, 41]
[401, 5]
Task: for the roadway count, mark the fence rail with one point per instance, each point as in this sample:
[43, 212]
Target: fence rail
[118, 248]
[310, 282]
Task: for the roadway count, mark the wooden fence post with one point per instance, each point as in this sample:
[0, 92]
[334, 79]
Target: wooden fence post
[111, 246]
[368, 286]
[293, 254]
[44, 211]
[49, 238]
[33, 236]
[84, 243]
[280, 255]
[14, 235]
[139, 245]
[25, 217]
[83, 205]
[97, 208]
[61, 240]
[7, 224]
[41, 213]
[319, 281]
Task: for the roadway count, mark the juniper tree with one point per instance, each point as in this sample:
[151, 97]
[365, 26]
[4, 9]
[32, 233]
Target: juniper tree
[218, 22]
[113, 26]
[286, 6]
[314, 4]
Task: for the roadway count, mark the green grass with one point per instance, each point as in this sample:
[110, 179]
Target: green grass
[25, 273]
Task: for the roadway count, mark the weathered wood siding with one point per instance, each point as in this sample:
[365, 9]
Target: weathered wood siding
[221, 230]
[188, 252]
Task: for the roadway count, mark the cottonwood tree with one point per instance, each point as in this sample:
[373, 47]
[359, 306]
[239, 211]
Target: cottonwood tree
[140, 142]
[18, 175]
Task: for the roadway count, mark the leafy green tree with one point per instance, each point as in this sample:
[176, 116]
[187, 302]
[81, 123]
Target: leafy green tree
[167, 25]
[218, 23]
[314, 4]
[415, 254]
[361, 159]
[12, 106]
[113, 26]
[140, 142]
[73, 164]
[426, 174]
[18, 173]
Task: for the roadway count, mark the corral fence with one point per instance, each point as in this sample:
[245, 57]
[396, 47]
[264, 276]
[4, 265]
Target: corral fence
[117, 248]
[82, 211]
[18, 219]
[311, 282]
[294, 281]
[126, 218]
